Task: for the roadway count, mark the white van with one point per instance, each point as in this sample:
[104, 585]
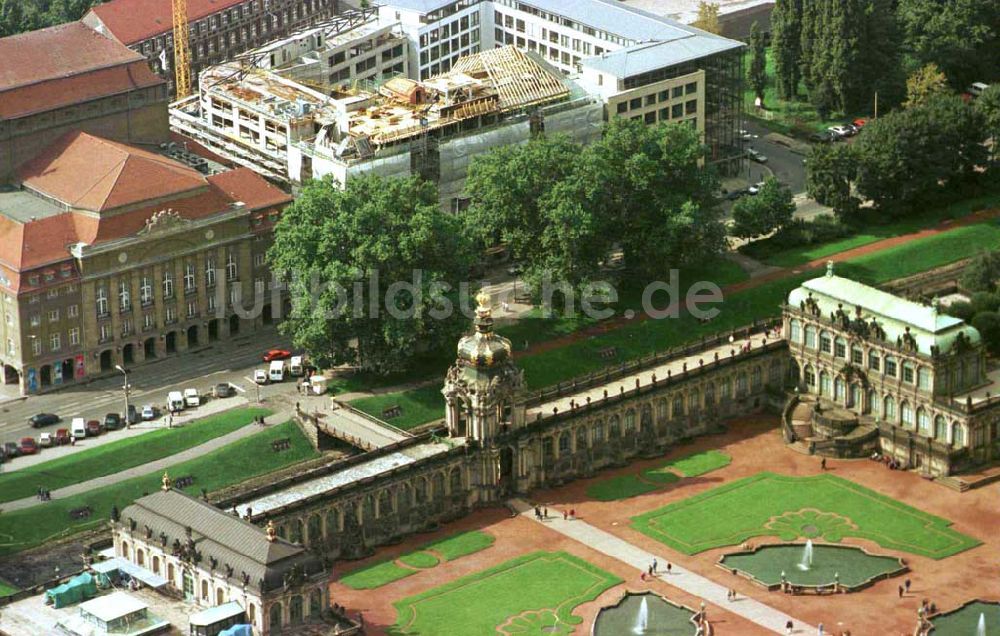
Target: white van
[296, 365]
[175, 401]
[276, 373]
[191, 397]
[78, 428]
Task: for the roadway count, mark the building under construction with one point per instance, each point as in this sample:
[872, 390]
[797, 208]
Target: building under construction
[394, 127]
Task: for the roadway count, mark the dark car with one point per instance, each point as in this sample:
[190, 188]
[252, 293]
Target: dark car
[223, 390]
[277, 354]
[11, 449]
[736, 194]
[823, 137]
[43, 419]
[94, 428]
[132, 415]
[113, 422]
[28, 446]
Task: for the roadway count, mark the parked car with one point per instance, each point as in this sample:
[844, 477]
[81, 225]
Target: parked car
[736, 194]
[61, 437]
[223, 390]
[43, 419]
[746, 135]
[45, 440]
[113, 422]
[191, 397]
[859, 123]
[28, 446]
[823, 137]
[148, 412]
[840, 131]
[11, 449]
[277, 354]
[175, 402]
[78, 427]
[260, 376]
[755, 188]
[94, 428]
[754, 155]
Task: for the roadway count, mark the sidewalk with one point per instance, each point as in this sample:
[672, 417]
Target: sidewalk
[686, 580]
[151, 467]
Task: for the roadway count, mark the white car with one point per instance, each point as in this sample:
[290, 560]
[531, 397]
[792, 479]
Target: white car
[191, 397]
[841, 131]
[755, 188]
[260, 376]
[148, 413]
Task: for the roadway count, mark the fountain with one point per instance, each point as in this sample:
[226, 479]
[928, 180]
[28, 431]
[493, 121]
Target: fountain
[981, 627]
[807, 557]
[642, 618]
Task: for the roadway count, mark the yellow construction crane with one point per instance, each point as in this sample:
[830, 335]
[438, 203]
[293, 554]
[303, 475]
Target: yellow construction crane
[182, 49]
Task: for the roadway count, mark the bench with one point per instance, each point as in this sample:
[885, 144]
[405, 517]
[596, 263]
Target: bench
[279, 445]
[80, 513]
[183, 482]
[608, 353]
[391, 412]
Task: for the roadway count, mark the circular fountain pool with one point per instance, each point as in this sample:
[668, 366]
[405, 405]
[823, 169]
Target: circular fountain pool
[644, 615]
[812, 566]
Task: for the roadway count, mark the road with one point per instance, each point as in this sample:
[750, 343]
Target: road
[785, 163]
[228, 361]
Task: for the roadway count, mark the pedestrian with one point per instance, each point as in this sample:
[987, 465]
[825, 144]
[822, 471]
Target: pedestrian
[821, 629]
[654, 565]
[906, 584]
[538, 513]
[789, 626]
[545, 512]
[900, 591]
[39, 493]
[642, 576]
[822, 464]
[565, 515]
[72, 440]
[572, 513]
[669, 566]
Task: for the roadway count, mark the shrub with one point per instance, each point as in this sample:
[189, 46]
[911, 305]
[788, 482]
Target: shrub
[985, 301]
[961, 310]
[988, 324]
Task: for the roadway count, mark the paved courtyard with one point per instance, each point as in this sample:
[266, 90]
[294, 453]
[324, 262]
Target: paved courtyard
[755, 446]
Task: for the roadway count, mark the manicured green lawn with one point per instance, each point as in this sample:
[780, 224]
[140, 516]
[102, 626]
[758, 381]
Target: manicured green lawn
[121, 454]
[531, 592]
[449, 548]
[237, 462]
[755, 506]
[620, 487]
[418, 406]
[693, 465]
[377, 575]
[459, 545]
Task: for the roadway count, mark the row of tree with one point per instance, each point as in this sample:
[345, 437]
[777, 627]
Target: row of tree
[18, 16]
[845, 51]
[935, 146]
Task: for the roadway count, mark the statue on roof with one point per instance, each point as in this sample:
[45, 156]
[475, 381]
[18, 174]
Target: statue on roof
[272, 532]
[167, 484]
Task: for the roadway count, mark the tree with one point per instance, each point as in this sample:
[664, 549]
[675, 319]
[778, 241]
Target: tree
[352, 252]
[786, 29]
[961, 36]
[988, 325]
[924, 83]
[758, 62]
[770, 210]
[708, 17]
[988, 107]
[830, 172]
[982, 272]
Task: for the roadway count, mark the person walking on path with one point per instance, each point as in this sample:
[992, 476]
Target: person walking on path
[900, 591]
[906, 584]
[822, 464]
[654, 565]
[669, 566]
[789, 626]
[545, 512]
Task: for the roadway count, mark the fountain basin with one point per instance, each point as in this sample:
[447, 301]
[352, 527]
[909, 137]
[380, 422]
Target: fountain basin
[856, 568]
[663, 618]
[964, 621]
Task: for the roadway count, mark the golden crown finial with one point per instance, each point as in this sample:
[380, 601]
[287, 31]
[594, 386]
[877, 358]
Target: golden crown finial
[483, 299]
[167, 483]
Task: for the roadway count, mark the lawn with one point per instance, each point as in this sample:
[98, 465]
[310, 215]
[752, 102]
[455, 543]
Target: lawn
[625, 486]
[765, 251]
[449, 549]
[620, 487]
[529, 594]
[232, 464]
[693, 465]
[121, 454]
[417, 406]
[769, 504]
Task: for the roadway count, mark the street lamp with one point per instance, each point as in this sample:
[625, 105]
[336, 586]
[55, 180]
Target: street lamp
[128, 422]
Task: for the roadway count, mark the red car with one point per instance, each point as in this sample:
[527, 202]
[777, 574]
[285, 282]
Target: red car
[61, 437]
[277, 354]
[28, 446]
[94, 428]
[860, 122]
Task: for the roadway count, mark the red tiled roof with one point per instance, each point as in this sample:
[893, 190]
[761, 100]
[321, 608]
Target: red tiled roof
[133, 21]
[90, 173]
[243, 184]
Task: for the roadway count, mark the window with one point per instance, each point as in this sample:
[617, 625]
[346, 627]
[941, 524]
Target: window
[622, 107]
[809, 376]
[677, 91]
[890, 366]
[258, 259]
[650, 118]
[840, 348]
[168, 285]
[169, 315]
[124, 299]
[923, 422]
[211, 303]
[824, 342]
[890, 409]
[691, 107]
[102, 301]
[677, 110]
[145, 291]
[857, 355]
[53, 315]
[189, 284]
[940, 429]
[192, 309]
[231, 266]
[105, 332]
[635, 103]
[147, 321]
[906, 414]
[74, 336]
[691, 88]
[874, 402]
[35, 320]
[36, 346]
[209, 272]
[957, 435]
[126, 326]
[873, 360]
[234, 295]
[825, 386]
[52, 293]
[33, 299]
[795, 331]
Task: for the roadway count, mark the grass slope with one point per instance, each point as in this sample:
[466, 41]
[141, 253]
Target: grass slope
[121, 454]
[625, 486]
[734, 512]
[459, 545]
[419, 560]
[693, 465]
[544, 584]
[239, 461]
[377, 575]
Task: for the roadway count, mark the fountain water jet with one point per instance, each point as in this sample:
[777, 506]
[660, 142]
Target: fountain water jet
[641, 618]
[807, 556]
[981, 628]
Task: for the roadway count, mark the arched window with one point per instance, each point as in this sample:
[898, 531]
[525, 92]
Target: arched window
[774, 373]
[384, 503]
[973, 370]
[940, 429]
[809, 376]
[629, 422]
[252, 613]
[295, 610]
[125, 550]
[220, 596]
[646, 418]
[924, 378]
[810, 336]
[725, 389]
[795, 330]
[755, 379]
[874, 403]
[581, 438]
[368, 506]
[295, 531]
[438, 485]
[874, 360]
[597, 433]
[890, 409]
[274, 618]
[840, 347]
[825, 342]
[709, 394]
[906, 414]
[694, 401]
[890, 366]
[662, 413]
[838, 389]
[314, 528]
[403, 498]
[677, 408]
[315, 603]
[957, 435]
[456, 479]
[741, 384]
[170, 573]
[825, 386]
[420, 493]
[615, 427]
[204, 590]
[140, 556]
[923, 421]
[156, 564]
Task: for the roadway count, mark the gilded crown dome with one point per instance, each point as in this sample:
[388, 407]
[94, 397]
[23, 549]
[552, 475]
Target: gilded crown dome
[484, 348]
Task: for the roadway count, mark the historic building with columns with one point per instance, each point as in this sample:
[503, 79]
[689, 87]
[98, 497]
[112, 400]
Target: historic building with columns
[878, 373]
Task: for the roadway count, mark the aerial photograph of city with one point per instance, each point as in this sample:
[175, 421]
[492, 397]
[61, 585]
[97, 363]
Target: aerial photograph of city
[500, 317]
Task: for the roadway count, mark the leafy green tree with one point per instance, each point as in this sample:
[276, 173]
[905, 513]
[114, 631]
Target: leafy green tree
[830, 172]
[988, 107]
[961, 36]
[982, 272]
[771, 209]
[988, 325]
[786, 29]
[708, 17]
[380, 233]
[925, 82]
[758, 62]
